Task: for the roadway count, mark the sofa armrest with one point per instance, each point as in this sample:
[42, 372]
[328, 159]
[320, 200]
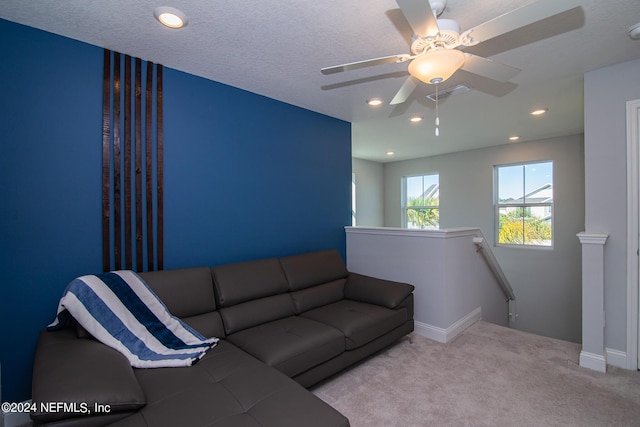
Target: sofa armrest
[376, 291]
[81, 372]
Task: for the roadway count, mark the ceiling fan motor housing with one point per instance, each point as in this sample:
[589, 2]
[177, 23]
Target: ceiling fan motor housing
[448, 37]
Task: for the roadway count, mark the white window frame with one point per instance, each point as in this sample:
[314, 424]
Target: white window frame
[406, 208]
[497, 205]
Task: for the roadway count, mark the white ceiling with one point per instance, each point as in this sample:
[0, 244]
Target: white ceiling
[277, 48]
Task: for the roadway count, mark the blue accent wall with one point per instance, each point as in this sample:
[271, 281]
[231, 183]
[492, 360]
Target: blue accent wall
[248, 177]
[245, 177]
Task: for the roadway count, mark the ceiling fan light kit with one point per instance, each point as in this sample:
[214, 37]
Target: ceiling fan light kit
[436, 66]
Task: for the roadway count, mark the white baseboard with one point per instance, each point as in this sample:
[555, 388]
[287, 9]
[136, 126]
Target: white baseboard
[616, 358]
[599, 363]
[429, 331]
[593, 361]
[446, 335]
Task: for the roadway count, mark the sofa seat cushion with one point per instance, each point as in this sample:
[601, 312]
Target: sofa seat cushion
[291, 345]
[359, 322]
[228, 387]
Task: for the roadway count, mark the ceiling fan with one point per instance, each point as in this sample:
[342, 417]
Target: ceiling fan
[434, 48]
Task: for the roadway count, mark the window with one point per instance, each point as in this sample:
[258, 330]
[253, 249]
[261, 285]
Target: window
[524, 204]
[421, 201]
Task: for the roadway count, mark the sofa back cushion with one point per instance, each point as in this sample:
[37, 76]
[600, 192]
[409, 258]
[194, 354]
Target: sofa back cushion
[188, 294]
[251, 293]
[248, 280]
[257, 312]
[314, 268]
[319, 295]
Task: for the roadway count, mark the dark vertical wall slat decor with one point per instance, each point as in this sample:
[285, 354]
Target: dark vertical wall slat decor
[148, 164]
[127, 163]
[130, 215]
[138, 167]
[160, 157]
[117, 221]
[106, 155]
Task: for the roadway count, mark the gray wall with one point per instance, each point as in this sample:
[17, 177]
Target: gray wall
[606, 92]
[369, 194]
[451, 278]
[547, 282]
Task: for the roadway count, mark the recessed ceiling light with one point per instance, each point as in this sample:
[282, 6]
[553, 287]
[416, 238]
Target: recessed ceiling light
[539, 111]
[514, 138]
[390, 153]
[415, 119]
[374, 102]
[170, 17]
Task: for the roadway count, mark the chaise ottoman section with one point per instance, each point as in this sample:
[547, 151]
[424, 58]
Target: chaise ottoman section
[291, 345]
[235, 389]
[82, 371]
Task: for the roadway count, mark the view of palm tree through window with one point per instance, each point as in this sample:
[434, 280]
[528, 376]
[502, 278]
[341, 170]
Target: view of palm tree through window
[524, 206]
[422, 201]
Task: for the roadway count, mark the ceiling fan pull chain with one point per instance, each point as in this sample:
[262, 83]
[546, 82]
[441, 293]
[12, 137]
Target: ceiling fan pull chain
[437, 113]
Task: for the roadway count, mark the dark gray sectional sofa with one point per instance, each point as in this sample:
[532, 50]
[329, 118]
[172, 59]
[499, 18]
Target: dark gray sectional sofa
[285, 323]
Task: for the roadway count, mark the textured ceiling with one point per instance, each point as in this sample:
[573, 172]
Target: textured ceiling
[277, 48]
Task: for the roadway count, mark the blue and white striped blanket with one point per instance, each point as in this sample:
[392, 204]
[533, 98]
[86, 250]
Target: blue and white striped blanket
[120, 310]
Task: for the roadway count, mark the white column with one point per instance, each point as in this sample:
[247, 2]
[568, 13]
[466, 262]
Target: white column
[593, 354]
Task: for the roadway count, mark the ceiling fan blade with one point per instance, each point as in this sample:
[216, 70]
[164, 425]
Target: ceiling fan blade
[405, 91]
[488, 68]
[420, 17]
[517, 18]
[367, 63]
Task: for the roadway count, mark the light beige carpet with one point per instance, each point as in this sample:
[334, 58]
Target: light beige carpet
[488, 376]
